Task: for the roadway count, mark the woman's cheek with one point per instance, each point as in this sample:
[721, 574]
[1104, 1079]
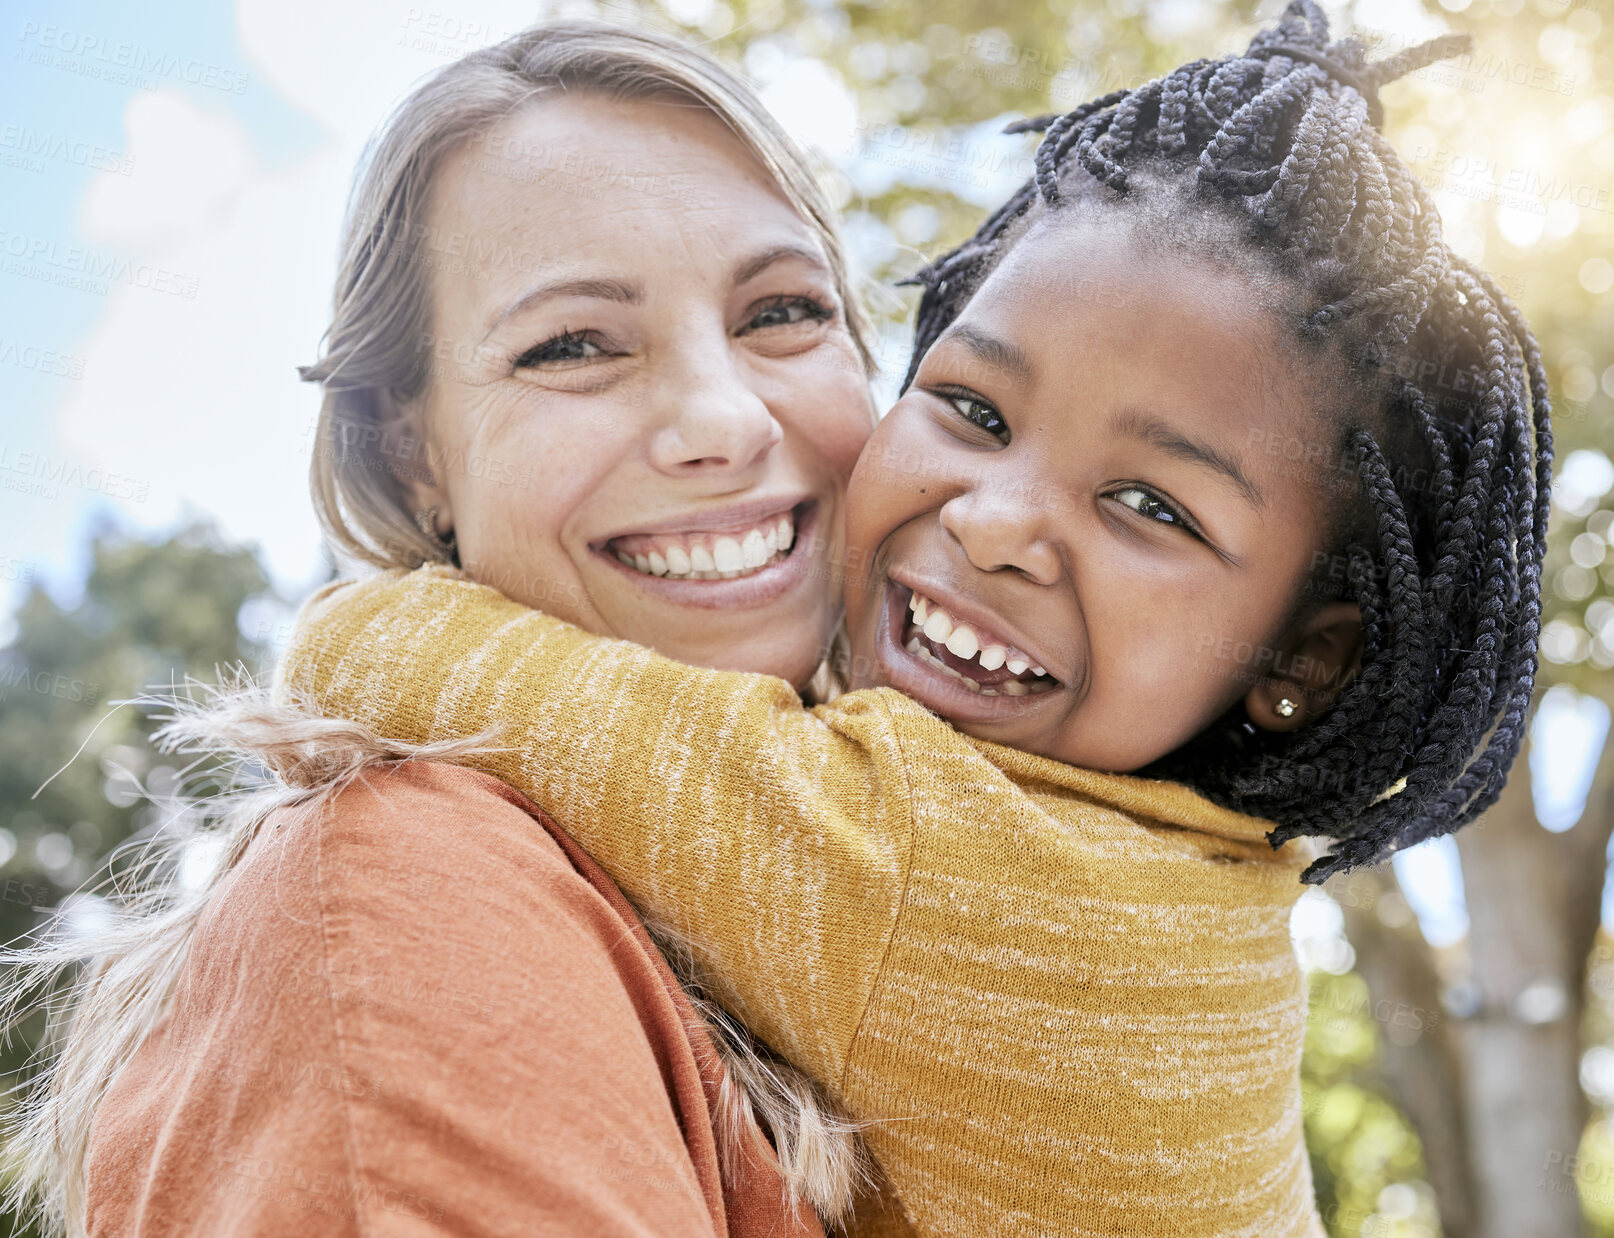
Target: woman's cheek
[842, 416]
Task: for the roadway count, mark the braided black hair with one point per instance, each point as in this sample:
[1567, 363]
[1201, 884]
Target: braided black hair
[1444, 547]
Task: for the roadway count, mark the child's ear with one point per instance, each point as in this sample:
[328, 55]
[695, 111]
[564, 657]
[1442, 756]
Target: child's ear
[404, 424]
[1312, 668]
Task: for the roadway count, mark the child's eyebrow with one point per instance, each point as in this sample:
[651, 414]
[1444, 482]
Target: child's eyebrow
[989, 349]
[1173, 441]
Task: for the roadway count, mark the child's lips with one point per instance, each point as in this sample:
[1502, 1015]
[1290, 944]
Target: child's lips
[971, 652]
[962, 689]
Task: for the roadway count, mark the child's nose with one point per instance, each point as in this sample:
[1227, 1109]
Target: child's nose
[998, 530]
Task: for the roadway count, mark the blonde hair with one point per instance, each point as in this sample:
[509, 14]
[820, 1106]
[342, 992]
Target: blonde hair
[379, 338]
[106, 988]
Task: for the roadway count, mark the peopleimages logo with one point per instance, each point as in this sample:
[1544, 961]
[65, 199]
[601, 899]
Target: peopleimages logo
[122, 62]
[34, 145]
[38, 257]
[44, 474]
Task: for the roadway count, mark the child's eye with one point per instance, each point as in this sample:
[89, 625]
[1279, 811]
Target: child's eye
[978, 412]
[786, 311]
[1151, 506]
[568, 346]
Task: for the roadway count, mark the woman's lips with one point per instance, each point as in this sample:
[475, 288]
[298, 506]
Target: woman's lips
[708, 555]
[782, 569]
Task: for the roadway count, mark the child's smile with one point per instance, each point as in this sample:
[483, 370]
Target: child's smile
[1070, 511]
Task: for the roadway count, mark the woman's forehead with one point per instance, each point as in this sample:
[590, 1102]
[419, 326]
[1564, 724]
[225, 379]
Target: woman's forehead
[564, 152]
[583, 181]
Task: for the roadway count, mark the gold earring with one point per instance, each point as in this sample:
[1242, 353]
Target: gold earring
[426, 521]
[1285, 708]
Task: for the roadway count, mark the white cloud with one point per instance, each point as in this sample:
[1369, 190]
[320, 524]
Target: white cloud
[190, 167]
[197, 397]
[347, 64]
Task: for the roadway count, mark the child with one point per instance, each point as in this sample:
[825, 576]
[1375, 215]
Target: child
[1066, 999]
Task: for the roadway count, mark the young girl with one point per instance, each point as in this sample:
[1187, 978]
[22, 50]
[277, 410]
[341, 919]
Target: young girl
[1175, 552]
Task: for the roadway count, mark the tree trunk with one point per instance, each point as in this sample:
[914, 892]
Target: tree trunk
[1534, 906]
[1420, 1067]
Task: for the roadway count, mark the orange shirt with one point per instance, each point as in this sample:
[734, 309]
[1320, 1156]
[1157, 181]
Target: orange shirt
[421, 1009]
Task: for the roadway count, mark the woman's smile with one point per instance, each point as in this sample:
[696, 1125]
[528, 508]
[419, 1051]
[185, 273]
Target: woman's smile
[725, 559]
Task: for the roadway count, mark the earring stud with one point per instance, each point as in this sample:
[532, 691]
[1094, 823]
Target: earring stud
[426, 521]
[1285, 708]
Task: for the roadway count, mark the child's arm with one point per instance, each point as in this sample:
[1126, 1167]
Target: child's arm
[779, 839]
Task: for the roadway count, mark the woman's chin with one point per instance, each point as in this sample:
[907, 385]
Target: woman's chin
[795, 664]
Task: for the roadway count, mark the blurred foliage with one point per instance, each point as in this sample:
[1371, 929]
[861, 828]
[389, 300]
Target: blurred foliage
[1365, 1159]
[150, 614]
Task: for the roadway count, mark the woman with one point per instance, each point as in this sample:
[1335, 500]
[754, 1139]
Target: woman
[405, 1001]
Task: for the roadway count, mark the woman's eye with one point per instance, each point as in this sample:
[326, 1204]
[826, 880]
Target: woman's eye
[979, 413]
[568, 346]
[784, 311]
[1152, 507]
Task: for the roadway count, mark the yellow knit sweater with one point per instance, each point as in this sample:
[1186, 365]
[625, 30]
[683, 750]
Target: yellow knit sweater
[1068, 1000]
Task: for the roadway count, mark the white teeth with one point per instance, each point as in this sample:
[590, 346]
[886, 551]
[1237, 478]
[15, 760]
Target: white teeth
[726, 554]
[710, 557]
[924, 654]
[961, 642]
[754, 550]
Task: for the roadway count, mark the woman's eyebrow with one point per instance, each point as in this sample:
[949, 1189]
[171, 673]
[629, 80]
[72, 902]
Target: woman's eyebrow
[1196, 451]
[750, 268]
[624, 291]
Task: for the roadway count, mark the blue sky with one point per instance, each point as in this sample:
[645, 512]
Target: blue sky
[56, 121]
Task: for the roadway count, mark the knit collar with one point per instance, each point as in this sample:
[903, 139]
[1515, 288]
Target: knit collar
[1170, 803]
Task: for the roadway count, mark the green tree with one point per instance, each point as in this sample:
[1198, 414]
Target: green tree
[150, 613]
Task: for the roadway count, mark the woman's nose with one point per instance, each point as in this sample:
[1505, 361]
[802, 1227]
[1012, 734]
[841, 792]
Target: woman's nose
[1007, 527]
[712, 420]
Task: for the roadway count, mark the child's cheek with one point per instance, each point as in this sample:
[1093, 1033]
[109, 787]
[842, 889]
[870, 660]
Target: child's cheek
[880, 498]
[888, 486]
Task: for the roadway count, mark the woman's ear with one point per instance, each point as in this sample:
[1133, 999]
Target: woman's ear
[403, 425]
[1313, 667]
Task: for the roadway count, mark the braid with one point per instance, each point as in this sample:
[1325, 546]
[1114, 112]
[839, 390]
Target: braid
[1444, 551]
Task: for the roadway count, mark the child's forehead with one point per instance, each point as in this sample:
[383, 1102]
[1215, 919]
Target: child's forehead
[1063, 247]
[1097, 277]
